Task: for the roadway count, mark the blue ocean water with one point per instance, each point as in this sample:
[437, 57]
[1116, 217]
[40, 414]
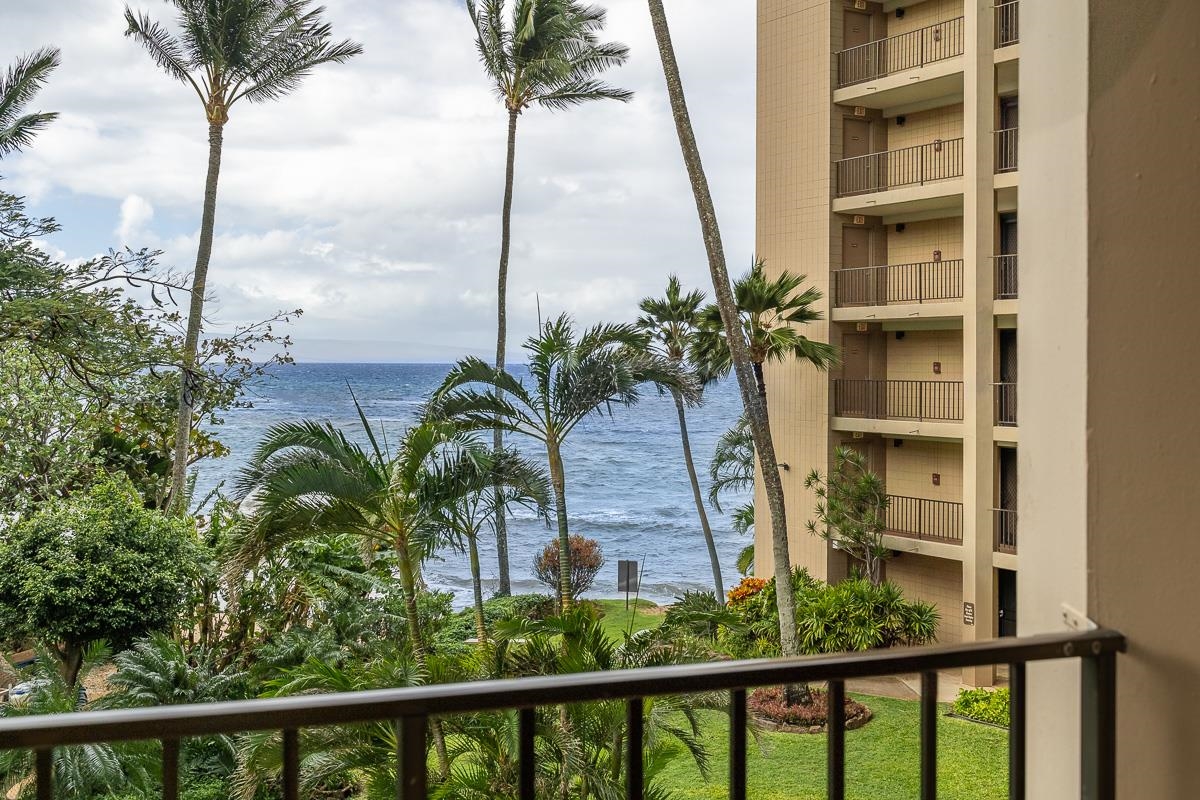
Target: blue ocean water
[627, 486]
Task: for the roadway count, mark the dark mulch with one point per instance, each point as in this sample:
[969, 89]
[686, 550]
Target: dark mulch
[769, 707]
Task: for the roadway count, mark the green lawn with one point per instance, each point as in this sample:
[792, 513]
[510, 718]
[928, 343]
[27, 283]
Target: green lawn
[881, 760]
[616, 619]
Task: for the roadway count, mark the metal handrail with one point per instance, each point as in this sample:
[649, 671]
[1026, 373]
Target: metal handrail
[1006, 276]
[1008, 23]
[411, 709]
[938, 160]
[1005, 526]
[920, 517]
[873, 398]
[898, 283]
[1006, 403]
[1006, 150]
[927, 45]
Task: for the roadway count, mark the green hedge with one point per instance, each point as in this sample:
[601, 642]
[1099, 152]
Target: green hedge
[983, 704]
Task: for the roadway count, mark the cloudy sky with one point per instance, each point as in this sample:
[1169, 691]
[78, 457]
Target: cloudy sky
[370, 198]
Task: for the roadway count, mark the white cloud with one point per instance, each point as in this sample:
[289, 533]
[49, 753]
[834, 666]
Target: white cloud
[371, 196]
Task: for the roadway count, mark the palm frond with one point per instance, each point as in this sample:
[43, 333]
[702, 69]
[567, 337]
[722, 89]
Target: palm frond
[18, 86]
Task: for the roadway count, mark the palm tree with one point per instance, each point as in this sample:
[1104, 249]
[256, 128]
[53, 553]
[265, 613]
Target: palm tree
[672, 321]
[573, 376]
[756, 409]
[731, 469]
[769, 309]
[229, 50]
[519, 482]
[17, 87]
[548, 55]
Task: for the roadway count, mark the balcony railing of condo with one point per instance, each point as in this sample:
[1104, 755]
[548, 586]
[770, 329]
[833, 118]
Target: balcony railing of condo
[1006, 276]
[1008, 23]
[1006, 150]
[917, 48]
[938, 160]
[1005, 526]
[930, 281]
[898, 399]
[921, 518]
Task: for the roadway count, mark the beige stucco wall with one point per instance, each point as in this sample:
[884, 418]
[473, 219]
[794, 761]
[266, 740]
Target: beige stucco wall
[912, 358]
[910, 470]
[1109, 431]
[925, 127]
[916, 243]
[934, 580]
[924, 14]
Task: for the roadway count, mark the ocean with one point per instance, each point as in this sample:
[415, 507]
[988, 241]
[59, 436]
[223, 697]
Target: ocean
[627, 486]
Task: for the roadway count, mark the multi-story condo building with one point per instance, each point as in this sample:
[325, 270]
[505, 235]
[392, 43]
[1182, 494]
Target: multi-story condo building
[888, 174]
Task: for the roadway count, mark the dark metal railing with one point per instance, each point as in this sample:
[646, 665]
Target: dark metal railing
[1006, 276]
[917, 48]
[1008, 23]
[1006, 403]
[920, 518]
[880, 399]
[909, 166]
[1005, 526]
[410, 710]
[1006, 150]
[898, 283]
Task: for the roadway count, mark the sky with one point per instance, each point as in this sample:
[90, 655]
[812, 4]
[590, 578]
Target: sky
[370, 198]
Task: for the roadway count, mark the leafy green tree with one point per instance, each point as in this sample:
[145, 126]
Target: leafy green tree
[586, 561]
[18, 86]
[851, 510]
[548, 54]
[673, 323]
[228, 51]
[573, 376]
[739, 351]
[731, 469]
[87, 770]
[95, 567]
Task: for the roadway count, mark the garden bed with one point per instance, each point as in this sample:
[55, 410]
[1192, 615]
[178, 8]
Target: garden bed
[771, 712]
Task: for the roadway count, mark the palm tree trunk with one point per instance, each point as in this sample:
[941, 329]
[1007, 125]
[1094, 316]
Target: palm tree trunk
[477, 586]
[699, 498]
[738, 349]
[505, 587]
[760, 383]
[558, 483]
[71, 654]
[188, 380]
[408, 585]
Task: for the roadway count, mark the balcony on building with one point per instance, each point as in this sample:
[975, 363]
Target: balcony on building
[1007, 24]
[924, 519]
[1004, 528]
[906, 69]
[898, 291]
[1005, 404]
[898, 407]
[919, 179]
[1005, 276]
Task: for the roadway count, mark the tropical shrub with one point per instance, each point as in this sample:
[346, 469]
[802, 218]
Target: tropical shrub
[699, 614]
[586, 561]
[985, 705]
[749, 587]
[98, 566]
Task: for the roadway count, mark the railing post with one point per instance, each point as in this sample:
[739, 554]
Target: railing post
[44, 770]
[1098, 735]
[527, 753]
[411, 766]
[737, 744]
[929, 682]
[1016, 732]
[634, 736]
[836, 725]
[170, 769]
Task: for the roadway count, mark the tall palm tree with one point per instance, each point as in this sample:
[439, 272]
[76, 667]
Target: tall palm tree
[769, 310]
[227, 51]
[756, 409]
[573, 376]
[548, 54]
[672, 322]
[18, 86]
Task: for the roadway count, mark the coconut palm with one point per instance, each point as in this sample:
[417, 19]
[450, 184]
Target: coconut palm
[514, 481]
[17, 87]
[228, 51]
[573, 376]
[548, 53]
[672, 321]
[739, 355]
[769, 309]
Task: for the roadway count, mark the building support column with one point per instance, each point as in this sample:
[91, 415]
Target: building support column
[979, 213]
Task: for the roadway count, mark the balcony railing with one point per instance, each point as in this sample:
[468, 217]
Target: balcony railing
[1006, 150]
[916, 400]
[1006, 276]
[909, 166]
[1005, 526]
[919, 518]
[898, 283]
[410, 709]
[1006, 403]
[917, 48]
[1008, 23]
